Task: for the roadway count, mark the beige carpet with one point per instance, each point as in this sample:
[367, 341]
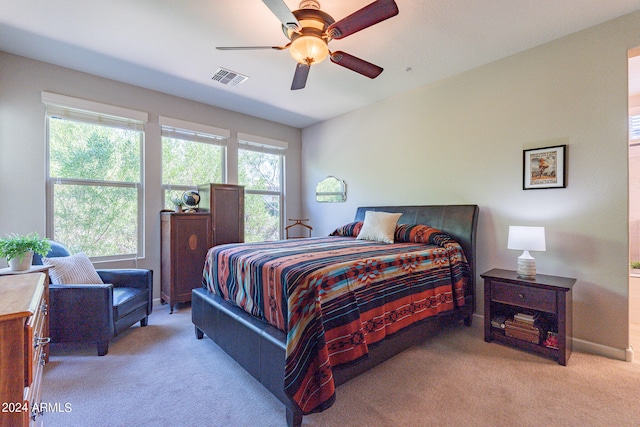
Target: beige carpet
[162, 375]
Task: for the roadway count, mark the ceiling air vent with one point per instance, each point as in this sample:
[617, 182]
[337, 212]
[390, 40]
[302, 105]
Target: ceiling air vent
[228, 77]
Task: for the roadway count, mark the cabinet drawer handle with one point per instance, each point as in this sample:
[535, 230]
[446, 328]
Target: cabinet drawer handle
[40, 341]
[35, 411]
[521, 295]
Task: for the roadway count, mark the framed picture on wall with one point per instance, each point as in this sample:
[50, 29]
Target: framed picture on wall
[545, 167]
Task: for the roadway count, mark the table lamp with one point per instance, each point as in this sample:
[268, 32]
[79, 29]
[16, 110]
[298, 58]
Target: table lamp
[526, 239]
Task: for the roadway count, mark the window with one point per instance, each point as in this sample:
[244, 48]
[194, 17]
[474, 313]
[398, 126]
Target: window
[634, 127]
[192, 154]
[261, 171]
[94, 177]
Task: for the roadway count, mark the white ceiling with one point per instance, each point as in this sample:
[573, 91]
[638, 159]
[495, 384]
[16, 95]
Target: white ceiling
[169, 46]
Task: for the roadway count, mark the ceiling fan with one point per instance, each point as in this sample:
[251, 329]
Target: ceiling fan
[309, 30]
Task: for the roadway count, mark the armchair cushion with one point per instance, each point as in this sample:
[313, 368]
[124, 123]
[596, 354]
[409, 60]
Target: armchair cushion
[126, 300]
[72, 269]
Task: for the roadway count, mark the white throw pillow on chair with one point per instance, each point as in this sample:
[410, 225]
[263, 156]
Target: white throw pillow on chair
[73, 269]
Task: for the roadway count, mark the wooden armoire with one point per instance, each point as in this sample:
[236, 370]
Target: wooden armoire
[187, 237]
[225, 203]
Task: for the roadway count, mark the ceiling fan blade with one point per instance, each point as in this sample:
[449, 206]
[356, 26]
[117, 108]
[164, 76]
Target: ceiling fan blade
[367, 16]
[251, 47]
[356, 64]
[283, 13]
[300, 77]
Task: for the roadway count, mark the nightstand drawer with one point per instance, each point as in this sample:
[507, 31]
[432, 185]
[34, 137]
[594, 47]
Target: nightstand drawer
[524, 296]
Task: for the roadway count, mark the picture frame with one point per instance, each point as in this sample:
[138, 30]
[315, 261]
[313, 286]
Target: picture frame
[545, 167]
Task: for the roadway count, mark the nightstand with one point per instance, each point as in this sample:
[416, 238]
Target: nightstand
[547, 298]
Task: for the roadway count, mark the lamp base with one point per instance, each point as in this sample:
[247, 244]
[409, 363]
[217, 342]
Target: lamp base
[526, 267]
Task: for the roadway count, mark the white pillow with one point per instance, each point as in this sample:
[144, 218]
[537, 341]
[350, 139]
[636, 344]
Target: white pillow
[73, 269]
[379, 226]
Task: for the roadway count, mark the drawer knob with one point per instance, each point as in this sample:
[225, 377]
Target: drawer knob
[521, 295]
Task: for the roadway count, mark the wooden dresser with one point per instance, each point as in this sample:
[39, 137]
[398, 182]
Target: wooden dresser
[24, 338]
[184, 242]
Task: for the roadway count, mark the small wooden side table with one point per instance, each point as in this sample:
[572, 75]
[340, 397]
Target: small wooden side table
[506, 294]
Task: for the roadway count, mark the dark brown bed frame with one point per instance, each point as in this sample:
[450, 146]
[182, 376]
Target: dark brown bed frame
[260, 348]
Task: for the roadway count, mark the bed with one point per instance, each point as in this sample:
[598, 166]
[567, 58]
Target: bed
[264, 337]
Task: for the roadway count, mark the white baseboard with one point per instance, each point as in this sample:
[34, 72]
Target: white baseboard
[583, 346]
[603, 350]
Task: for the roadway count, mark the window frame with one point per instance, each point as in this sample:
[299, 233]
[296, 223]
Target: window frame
[89, 112]
[634, 128]
[268, 146]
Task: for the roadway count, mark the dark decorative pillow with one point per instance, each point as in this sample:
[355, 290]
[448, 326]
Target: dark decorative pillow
[348, 230]
[414, 233]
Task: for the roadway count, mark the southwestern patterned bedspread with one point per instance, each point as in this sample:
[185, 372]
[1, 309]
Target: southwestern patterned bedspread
[335, 296]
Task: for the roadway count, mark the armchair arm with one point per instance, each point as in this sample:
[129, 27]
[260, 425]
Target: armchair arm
[130, 278]
[81, 313]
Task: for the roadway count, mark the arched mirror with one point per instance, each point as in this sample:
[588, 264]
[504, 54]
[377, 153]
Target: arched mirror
[331, 190]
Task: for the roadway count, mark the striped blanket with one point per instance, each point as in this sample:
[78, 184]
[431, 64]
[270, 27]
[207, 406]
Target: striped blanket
[335, 296]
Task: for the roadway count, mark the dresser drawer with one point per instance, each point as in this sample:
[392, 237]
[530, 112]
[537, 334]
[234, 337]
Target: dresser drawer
[33, 397]
[36, 338]
[524, 296]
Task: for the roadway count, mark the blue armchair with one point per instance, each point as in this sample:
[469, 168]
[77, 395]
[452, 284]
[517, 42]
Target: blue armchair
[98, 312]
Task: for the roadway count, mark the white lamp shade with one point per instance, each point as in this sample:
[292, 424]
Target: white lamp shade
[526, 238]
[309, 49]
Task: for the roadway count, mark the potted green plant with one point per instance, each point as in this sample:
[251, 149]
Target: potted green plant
[19, 250]
[178, 203]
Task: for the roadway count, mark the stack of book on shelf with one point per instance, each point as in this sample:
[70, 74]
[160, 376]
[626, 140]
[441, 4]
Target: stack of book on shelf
[524, 326]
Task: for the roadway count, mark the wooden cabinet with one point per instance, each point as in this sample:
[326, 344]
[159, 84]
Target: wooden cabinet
[184, 243]
[225, 203]
[24, 336]
[548, 298]
[186, 238]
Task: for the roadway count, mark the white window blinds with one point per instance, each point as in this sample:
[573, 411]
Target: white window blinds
[188, 131]
[82, 110]
[262, 144]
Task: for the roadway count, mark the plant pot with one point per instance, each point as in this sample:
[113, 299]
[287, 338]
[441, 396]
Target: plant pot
[21, 263]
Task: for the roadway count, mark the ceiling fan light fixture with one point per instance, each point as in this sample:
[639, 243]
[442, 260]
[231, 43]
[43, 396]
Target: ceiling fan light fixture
[309, 49]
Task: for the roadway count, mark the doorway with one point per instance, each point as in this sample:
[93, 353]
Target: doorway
[634, 201]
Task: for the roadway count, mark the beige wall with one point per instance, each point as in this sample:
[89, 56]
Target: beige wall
[22, 143]
[461, 141]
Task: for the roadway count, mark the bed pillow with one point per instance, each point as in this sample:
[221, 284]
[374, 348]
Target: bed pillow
[379, 226]
[414, 233]
[73, 269]
[348, 230]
